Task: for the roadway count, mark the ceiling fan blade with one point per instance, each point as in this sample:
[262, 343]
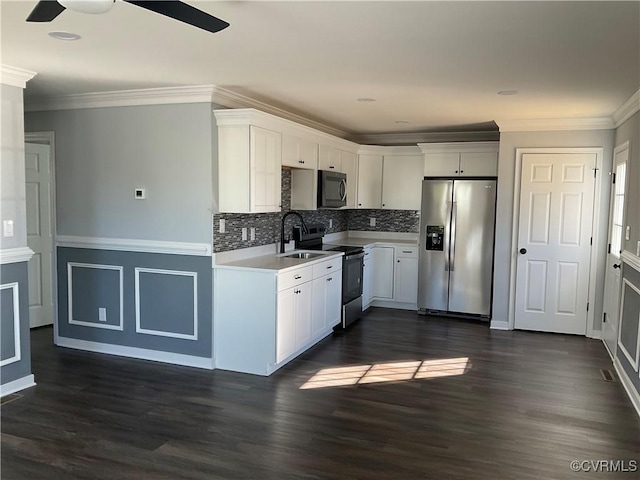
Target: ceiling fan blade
[183, 13]
[45, 11]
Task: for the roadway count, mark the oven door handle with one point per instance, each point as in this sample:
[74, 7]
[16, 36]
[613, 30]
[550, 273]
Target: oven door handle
[354, 256]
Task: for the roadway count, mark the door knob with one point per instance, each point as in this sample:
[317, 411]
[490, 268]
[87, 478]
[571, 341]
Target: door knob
[523, 251]
[616, 265]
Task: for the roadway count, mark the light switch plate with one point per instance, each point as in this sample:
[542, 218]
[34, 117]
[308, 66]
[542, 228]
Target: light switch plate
[244, 233]
[372, 221]
[7, 228]
[252, 233]
[222, 228]
[627, 233]
[102, 314]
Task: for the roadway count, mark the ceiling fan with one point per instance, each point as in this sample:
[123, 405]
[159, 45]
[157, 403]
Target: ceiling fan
[47, 10]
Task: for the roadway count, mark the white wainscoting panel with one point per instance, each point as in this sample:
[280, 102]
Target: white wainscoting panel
[633, 359]
[16, 323]
[72, 320]
[161, 333]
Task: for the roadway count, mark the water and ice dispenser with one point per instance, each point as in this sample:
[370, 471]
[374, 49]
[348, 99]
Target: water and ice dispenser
[435, 237]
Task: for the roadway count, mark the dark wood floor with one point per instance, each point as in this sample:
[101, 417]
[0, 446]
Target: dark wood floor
[527, 405]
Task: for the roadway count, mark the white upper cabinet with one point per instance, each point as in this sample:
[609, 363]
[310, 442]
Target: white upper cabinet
[299, 152]
[329, 158]
[402, 182]
[474, 159]
[369, 181]
[248, 169]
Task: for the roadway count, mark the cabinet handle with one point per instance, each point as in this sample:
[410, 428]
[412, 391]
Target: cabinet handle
[330, 266]
[329, 279]
[331, 166]
[456, 171]
[461, 171]
[300, 161]
[406, 251]
[398, 261]
[366, 254]
[359, 204]
[297, 277]
[296, 291]
[383, 204]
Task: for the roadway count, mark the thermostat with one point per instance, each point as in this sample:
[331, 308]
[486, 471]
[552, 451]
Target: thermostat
[140, 193]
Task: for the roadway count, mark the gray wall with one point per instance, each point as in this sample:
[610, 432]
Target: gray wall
[504, 251]
[166, 300]
[9, 273]
[12, 174]
[102, 154]
[630, 131]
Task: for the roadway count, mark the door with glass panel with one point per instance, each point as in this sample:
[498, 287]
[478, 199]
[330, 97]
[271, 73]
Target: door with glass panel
[614, 249]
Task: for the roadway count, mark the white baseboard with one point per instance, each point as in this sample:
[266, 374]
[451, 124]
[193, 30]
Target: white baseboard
[17, 385]
[634, 396]
[499, 325]
[140, 353]
[595, 334]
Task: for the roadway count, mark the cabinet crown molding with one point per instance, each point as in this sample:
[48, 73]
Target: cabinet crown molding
[555, 124]
[460, 147]
[384, 150]
[14, 76]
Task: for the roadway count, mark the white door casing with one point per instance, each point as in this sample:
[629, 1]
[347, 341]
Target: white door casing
[613, 284]
[553, 241]
[39, 233]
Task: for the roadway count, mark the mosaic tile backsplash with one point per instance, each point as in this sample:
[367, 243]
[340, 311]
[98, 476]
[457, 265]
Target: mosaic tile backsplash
[267, 225]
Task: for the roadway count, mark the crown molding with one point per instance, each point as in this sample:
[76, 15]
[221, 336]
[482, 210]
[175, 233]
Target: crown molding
[14, 76]
[229, 99]
[424, 137]
[627, 109]
[15, 255]
[555, 124]
[389, 150]
[123, 98]
[466, 147]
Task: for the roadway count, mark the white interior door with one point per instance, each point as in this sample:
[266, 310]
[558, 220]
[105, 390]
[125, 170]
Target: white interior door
[39, 233]
[554, 242]
[612, 285]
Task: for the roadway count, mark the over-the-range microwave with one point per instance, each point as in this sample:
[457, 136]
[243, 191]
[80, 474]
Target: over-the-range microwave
[332, 189]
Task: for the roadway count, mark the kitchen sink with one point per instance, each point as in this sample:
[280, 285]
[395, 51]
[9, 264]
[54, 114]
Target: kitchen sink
[303, 255]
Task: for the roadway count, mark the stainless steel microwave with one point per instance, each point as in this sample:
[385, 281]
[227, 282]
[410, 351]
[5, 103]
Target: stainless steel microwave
[332, 189]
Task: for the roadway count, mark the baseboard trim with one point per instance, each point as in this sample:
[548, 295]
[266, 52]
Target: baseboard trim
[390, 304]
[595, 334]
[139, 353]
[17, 385]
[633, 395]
[499, 325]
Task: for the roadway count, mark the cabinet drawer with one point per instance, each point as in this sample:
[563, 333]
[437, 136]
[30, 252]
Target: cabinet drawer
[324, 268]
[294, 277]
[408, 252]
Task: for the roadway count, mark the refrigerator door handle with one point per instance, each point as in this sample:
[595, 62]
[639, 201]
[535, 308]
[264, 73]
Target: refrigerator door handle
[447, 239]
[454, 211]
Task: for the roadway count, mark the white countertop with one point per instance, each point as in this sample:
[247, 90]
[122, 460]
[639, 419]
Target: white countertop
[277, 263]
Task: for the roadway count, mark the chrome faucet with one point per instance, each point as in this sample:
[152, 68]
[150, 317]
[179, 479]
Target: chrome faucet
[284, 217]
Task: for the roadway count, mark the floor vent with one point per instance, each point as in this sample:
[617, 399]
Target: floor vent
[607, 375]
[9, 398]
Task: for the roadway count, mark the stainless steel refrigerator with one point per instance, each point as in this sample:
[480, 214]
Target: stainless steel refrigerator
[457, 227]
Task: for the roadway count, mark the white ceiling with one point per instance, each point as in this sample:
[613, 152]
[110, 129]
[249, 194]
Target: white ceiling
[436, 65]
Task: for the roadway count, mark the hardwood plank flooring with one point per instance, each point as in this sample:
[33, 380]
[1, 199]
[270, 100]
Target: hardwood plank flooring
[490, 405]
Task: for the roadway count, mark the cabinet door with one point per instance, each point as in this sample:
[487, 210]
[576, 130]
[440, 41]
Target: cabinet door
[367, 278]
[442, 164]
[286, 325]
[299, 152]
[402, 182]
[329, 159]
[333, 299]
[349, 163]
[319, 306]
[302, 308]
[406, 276]
[370, 181]
[382, 272]
[266, 150]
[481, 164]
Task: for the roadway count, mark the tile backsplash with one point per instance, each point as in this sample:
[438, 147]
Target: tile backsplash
[267, 225]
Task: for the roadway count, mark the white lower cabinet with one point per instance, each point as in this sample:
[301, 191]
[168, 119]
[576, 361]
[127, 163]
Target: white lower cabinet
[263, 319]
[406, 275]
[382, 272]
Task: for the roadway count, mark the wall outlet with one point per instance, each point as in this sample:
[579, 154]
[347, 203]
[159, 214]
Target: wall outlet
[244, 234]
[7, 228]
[102, 314]
[222, 227]
[252, 233]
[330, 223]
[372, 221]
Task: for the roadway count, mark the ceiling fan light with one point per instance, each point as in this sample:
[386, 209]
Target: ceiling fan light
[88, 6]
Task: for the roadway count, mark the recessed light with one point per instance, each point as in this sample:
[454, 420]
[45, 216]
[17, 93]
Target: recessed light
[366, 99]
[508, 92]
[401, 121]
[64, 36]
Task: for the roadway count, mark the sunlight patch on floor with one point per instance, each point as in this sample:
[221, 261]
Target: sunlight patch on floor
[388, 372]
